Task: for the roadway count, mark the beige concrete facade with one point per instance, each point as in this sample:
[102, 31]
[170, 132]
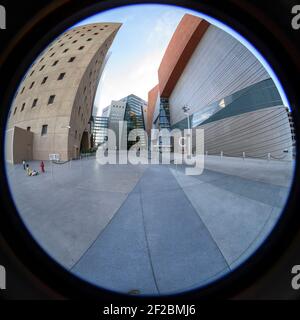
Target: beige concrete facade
[55, 99]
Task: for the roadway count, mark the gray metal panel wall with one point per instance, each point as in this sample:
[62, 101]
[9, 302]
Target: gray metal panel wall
[256, 133]
[219, 66]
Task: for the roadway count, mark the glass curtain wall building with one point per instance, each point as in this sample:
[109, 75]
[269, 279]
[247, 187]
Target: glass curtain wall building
[99, 130]
[130, 110]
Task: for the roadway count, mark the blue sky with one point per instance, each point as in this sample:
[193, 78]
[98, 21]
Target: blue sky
[139, 47]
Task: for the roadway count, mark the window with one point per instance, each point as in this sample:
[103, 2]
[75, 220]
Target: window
[28, 128]
[75, 134]
[23, 106]
[15, 111]
[66, 50]
[51, 99]
[71, 59]
[80, 48]
[32, 84]
[42, 59]
[44, 80]
[82, 35]
[96, 33]
[89, 39]
[74, 41]
[61, 76]
[44, 129]
[52, 54]
[55, 63]
[34, 103]
[62, 45]
[42, 67]
[31, 73]
[23, 90]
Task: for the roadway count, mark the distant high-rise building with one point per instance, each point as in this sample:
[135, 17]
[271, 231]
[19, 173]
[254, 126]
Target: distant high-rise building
[99, 130]
[130, 110]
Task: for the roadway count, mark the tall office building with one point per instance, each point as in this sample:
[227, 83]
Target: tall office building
[130, 110]
[51, 112]
[226, 91]
[99, 130]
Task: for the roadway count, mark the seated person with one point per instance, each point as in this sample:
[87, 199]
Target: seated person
[30, 172]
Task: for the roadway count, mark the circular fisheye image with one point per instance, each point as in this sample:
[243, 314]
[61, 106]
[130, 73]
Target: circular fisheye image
[150, 150]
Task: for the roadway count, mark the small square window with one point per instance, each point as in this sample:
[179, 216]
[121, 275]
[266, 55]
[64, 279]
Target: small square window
[74, 41]
[28, 128]
[89, 39]
[32, 84]
[44, 129]
[61, 76]
[51, 99]
[31, 73]
[42, 67]
[66, 50]
[52, 54]
[55, 63]
[80, 48]
[34, 103]
[71, 59]
[62, 45]
[44, 80]
[96, 33]
[23, 90]
[15, 111]
[23, 106]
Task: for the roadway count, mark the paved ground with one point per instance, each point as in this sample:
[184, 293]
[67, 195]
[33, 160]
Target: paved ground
[151, 228]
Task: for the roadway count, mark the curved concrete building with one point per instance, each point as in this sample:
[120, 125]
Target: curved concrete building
[52, 109]
[228, 93]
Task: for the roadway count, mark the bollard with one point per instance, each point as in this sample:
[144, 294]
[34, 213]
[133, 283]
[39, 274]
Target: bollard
[244, 155]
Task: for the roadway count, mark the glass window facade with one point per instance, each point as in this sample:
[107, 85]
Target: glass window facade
[261, 95]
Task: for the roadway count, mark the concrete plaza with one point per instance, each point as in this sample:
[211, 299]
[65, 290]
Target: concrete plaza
[151, 228]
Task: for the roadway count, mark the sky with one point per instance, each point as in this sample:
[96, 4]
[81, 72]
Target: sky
[139, 46]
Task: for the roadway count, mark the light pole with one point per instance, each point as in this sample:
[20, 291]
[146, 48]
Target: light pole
[186, 110]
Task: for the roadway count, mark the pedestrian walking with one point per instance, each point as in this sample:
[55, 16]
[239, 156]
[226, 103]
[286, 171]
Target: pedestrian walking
[24, 164]
[42, 165]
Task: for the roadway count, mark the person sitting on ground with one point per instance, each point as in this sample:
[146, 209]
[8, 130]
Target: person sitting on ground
[30, 172]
